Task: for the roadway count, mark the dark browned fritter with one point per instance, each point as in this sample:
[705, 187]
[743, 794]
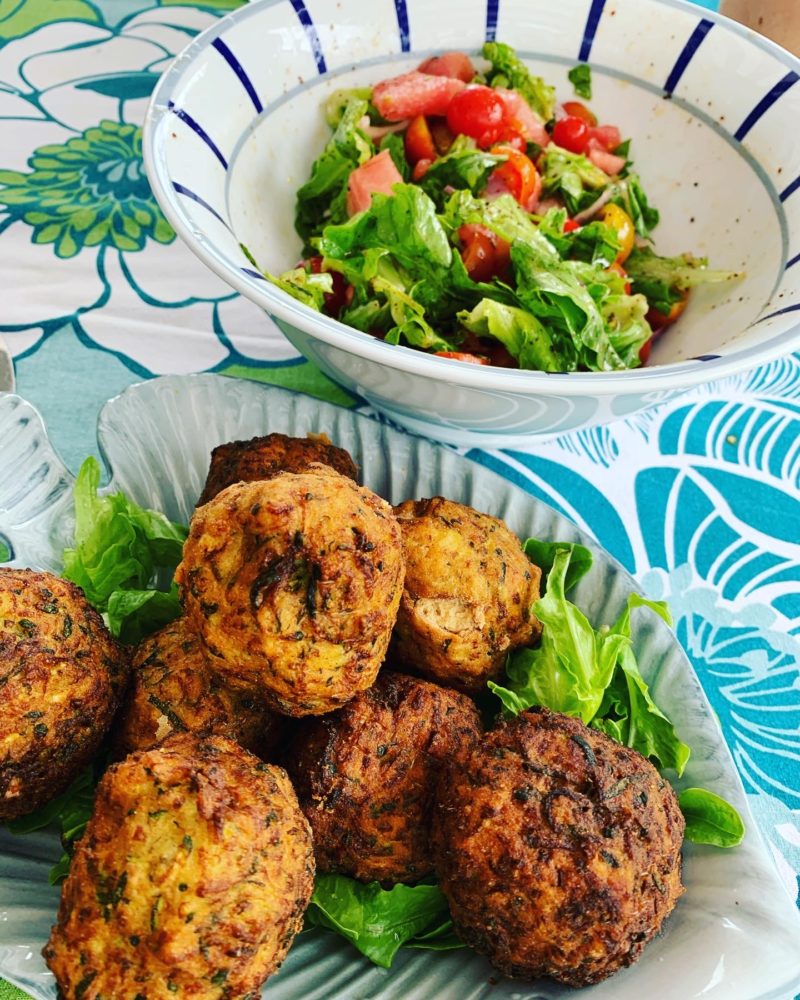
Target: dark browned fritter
[557, 848]
[61, 676]
[264, 457]
[467, 597]
[173, 689]
[191, 879]
[366, 775]
[293, 585]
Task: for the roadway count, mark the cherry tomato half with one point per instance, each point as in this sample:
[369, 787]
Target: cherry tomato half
[658, 320]
[617, 218]
[577, 110]
[519, 175]
[570, 225]
[418, 141]
[479, 113]
[484, 253]
[571, 133]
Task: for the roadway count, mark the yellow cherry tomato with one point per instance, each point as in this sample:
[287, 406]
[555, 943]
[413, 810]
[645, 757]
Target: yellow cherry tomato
[619, 219]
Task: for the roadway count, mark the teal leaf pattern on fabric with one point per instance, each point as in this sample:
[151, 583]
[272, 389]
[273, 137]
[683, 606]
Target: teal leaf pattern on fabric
[88, 192]
[123, 86]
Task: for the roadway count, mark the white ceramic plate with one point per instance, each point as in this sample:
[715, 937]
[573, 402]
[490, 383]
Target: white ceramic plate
[733, 935]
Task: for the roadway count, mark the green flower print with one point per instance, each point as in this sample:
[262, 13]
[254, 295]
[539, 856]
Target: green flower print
[88, 192]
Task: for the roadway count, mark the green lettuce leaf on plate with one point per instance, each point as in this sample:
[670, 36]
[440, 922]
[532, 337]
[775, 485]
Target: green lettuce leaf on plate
[377, 921]
[710, 819]
[120, 555]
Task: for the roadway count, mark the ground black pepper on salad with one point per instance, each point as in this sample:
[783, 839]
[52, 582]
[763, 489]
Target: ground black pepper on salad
[465, 213]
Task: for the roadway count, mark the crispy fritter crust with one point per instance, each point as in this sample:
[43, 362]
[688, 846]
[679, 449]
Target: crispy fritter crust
[468, 593]
[265, 457]
[293, 585]
[557, 848]
[173, 689]
[191, 879]
[366, 775]
[61, 676]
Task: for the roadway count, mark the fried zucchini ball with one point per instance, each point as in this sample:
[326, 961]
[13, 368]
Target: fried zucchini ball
[173, 689]
[191, 879]
[557, 848]
[293, 585]
[366, 775]
[467, 597]
[265, 457]
[61, 677]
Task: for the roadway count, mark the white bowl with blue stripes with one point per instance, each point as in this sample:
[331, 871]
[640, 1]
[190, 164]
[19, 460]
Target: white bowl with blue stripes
[713, 110]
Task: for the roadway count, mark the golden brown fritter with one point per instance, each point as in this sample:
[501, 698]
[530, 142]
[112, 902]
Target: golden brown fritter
[293, 584]
[191, 879]
[557, 848]
[366, 775]
[265, 457]
[467, 597]
[173, 689]
[61, 675]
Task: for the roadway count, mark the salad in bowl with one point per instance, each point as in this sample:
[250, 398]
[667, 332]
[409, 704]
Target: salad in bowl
[461, 210]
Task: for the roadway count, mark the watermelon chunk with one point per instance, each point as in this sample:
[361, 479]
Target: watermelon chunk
[377, 175]
[414, 94]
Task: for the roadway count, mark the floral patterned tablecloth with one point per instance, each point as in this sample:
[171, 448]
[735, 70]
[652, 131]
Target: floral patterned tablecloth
[699, 498]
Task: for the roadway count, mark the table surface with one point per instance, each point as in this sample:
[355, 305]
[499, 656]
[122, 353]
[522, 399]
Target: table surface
[698, 498]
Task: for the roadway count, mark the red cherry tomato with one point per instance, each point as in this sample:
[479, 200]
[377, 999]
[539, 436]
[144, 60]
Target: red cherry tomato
[479, 113]
[453, 64]
[473, 359]
[419, 141]
[570, 225]
[645, 349]
[519, 175]
[577, 110]
[571, 133]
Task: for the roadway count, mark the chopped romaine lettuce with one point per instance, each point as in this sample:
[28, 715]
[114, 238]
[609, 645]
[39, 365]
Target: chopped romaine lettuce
[580, 77]
[523, 336]
[303, 285]
[596, 242]
[573, 177]
[405, 224]
[509, 71]
[503, 215]
[629, 194]
[463, 167]
[665, 280]
[323, 197]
